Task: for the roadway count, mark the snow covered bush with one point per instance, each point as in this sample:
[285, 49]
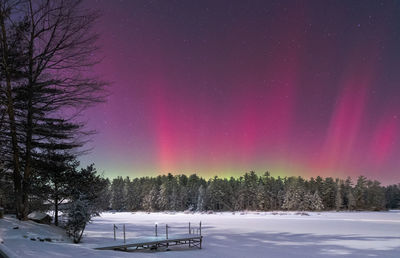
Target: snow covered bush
[80, 213]
[86, 201]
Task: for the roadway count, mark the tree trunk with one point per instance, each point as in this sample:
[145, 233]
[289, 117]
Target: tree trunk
[11, 117]
[29, 124]
[56, 211]
[56, 204]
[77, 240]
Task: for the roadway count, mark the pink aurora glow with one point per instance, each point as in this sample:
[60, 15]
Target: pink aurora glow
[225, 92]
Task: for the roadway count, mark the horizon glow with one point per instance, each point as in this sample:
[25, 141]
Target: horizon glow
[226, 87]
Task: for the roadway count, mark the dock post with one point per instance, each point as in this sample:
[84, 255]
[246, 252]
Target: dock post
[201, 238]
[189, 229]
[166, 230]
[156, 229]
[124, 235]
[114, 232]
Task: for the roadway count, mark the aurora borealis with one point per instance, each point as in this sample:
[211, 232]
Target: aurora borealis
[224, 87]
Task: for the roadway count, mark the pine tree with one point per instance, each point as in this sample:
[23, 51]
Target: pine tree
[316, 203]
[12, 65]
[173, 200]
[240, 200]
[351, 201]
[192, 188]
[150, 199]
[89, 184]
[118, 196]
[294, 197]
[392, 196]
[360, 190]
[105, 196]
[262, 198]
[134, 198]
[339, 199]
[131, 195]
[250, 186]
[53, 179]
[200, 198]
[328, 193]
[280, 198]
[163, 197]
[375, 196]
[183, 199]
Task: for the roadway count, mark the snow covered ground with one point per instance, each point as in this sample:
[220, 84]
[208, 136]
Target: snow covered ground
[264, 234]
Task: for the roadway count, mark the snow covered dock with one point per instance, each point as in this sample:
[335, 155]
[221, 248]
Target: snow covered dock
[154, 242]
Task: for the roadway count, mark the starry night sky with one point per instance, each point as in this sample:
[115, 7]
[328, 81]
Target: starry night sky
[223, 87]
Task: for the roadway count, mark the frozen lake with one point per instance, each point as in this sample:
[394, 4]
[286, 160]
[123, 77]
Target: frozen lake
[264, 234]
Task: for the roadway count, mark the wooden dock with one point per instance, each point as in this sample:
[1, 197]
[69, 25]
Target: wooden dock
[154, 243]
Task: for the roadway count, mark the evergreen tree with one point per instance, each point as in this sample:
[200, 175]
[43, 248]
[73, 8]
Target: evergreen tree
[105, 195]
[328, 193]
[351, 205]
[150, 199]
[339, 199]
[375, 196]
[118, 196]
[192, 189]
[294, 196]
[308, 202]
[262, 198]
[12, 64]
[392, 196]
[266, 192]
[164, 195]
[53, 180]
[88, 183]
[132, 195]
[360, 191]
[250, 187]
[316, 202]
[200, 198]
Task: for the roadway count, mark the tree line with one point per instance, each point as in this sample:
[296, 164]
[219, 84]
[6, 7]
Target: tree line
[250, 192]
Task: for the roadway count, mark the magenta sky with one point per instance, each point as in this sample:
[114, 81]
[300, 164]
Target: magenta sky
[224, 87]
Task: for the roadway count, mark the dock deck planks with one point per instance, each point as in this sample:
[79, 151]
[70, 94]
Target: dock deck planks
[193, 240]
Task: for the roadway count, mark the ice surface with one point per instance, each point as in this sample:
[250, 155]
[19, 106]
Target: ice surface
[246, 234]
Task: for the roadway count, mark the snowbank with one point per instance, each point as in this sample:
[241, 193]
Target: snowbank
[6, 252]
[39, 217]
